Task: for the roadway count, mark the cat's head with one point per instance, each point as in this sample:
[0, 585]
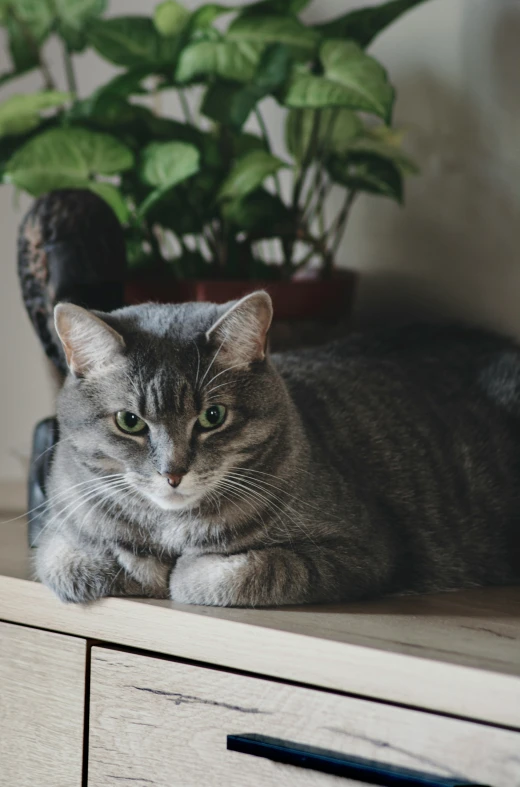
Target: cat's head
[175, 398]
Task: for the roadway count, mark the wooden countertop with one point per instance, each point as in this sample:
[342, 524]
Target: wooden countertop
[455, 653]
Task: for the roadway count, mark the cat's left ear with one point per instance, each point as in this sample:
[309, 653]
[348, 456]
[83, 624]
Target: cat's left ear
[89, 343]
[241, 332]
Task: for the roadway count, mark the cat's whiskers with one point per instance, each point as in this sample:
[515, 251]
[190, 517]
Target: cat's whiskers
[267, 539]
[268, 504]
[220, 385]
[117, 486]
[107, 517]
[85, 495]
[272, 475]
[133, 385]
[223, 496]
[198, 363]
[230, 490]
[112, 584]
[63, 516]
[281, 504]
[211, 363]
[233, 366]
[55, 498]
[52, 447]
[283, 491]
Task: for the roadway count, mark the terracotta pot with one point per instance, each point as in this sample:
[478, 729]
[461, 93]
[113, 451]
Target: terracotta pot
[299, 299]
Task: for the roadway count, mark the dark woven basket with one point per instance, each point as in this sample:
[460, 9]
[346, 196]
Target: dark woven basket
[70, 248]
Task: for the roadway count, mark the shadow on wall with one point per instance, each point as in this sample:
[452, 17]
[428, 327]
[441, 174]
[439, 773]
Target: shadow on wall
[453, 252]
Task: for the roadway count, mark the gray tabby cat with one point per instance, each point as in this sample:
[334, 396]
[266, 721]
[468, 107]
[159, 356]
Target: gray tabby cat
[194, 466]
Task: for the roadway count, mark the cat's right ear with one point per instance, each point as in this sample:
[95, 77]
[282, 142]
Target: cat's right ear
[88, 342]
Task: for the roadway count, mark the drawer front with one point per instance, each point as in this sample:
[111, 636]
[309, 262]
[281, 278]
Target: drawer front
[156, 721]
[42, 695]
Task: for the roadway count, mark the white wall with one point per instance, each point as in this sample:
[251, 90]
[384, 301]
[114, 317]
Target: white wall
[451, 252]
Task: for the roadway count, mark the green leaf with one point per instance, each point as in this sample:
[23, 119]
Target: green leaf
[103, 153]
[259, 210]
[29, 23]
[167, 163]
[113, 196]
[245, 143]
[10, 144]
[21, 112]
[369, 143]
[65, 157]
[232, 60]
[75, 40]
[274, 68]
[230, 103]
[108, 107]
[367, 172]
[75, 13]
[187, 207]
[24, 56]
[275, 7]
[352, 79]
[170, 18]
[131, 41]
[364, 24]
[36, 16]
[151, 201]
[126, 84]
[206, 15]
[249, 173]
[264, 30]
[168, 129]
[105, 110]
[325, 130]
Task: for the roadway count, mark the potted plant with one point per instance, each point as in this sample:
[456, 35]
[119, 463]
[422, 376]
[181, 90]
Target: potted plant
[209, 211]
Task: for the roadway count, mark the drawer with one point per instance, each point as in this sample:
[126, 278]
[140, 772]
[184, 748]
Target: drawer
[42, 695]
[161, 722]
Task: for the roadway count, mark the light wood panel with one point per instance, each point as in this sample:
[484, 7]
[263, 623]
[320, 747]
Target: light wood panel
[42, 688]
[455, 652]
[166, 722]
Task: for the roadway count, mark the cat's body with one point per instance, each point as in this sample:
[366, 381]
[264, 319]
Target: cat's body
[367, 466]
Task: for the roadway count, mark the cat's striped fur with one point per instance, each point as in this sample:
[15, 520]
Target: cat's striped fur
[371, 465]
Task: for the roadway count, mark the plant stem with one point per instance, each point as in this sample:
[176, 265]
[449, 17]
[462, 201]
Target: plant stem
[185, 106]
[154, 243]
[321, 197]
[33, 46]
[303, 169]
[265, 136]
[287, 246]
[321, 217]
[318, 246]
[338, 227]
[69, 70]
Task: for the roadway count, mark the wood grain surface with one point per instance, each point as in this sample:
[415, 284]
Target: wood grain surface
[153, 721]
[42, 690]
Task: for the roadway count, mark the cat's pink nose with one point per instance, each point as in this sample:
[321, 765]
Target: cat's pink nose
[174, 479]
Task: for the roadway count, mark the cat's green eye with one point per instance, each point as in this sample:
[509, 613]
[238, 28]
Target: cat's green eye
[130, 422]
[212, 417]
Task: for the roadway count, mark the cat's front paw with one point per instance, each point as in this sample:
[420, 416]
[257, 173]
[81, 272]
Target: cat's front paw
[73, 574]
[151, 574]
[212, 580]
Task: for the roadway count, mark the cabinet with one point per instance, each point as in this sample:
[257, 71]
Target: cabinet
[42, 695]
[163, 722]
[141, 691]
